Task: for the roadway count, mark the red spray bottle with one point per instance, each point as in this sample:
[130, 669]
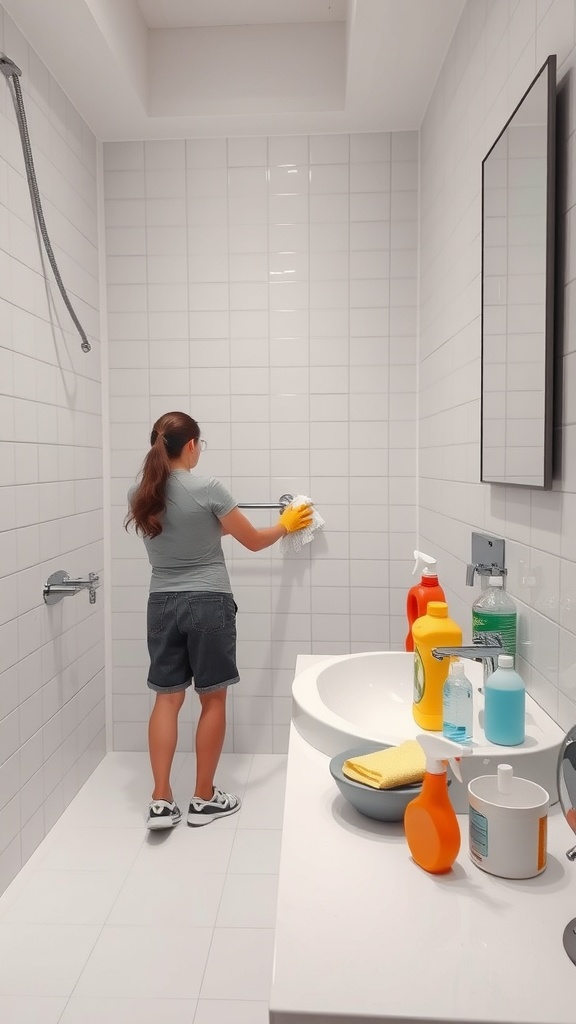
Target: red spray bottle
[421, 593]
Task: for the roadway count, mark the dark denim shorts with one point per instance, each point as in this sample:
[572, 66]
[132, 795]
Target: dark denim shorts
[191, 635]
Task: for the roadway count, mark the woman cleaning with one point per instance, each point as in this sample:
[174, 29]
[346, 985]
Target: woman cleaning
[191, 623]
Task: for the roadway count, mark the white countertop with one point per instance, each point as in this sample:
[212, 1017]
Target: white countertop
[364, 934]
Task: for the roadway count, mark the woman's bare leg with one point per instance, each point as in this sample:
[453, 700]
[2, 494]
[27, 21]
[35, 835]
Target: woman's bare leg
[162, 739]
[210, 733]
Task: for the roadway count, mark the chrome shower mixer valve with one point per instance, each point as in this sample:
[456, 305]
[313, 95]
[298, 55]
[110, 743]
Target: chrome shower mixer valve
[60, 585]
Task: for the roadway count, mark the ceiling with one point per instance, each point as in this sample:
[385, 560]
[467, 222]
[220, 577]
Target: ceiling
[152, 69]
[187, 14]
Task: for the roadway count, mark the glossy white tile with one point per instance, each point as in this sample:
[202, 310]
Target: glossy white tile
[255, 852]
[239, 1011]
[29, 1009]
[248, 901]
[71, 897]
[373, 146]
[289, 150]
[92, 1009]
[144, 903]
[248, 953]
[247, 181]
[206, 152]
[124, 962]
[329, 149]
[247, 152]
[54, 957]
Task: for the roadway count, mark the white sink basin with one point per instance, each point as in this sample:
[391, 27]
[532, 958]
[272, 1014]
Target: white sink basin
[342, 700]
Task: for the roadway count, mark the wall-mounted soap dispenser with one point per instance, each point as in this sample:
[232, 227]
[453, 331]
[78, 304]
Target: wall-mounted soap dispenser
[487, 557]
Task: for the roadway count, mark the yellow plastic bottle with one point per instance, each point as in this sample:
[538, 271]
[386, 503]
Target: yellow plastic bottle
[434, 629]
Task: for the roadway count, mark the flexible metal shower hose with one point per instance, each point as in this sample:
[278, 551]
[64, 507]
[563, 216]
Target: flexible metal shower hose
[35, 194]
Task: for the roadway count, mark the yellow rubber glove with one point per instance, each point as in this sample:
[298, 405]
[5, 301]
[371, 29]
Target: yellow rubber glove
[293, 519]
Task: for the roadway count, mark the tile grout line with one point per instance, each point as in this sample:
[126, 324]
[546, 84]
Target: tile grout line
[221, 895]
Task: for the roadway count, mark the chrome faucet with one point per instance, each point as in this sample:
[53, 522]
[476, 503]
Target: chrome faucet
[486, 649]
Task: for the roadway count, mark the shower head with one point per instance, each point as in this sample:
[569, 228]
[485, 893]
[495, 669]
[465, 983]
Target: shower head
[8, 67]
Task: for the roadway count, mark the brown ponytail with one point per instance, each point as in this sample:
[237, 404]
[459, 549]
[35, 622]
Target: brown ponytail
[148, 503]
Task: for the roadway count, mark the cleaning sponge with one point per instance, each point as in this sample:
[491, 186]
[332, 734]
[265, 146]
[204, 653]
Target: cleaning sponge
[384, 769]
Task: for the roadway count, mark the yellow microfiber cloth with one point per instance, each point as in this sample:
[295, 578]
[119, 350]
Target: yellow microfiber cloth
[384, 769]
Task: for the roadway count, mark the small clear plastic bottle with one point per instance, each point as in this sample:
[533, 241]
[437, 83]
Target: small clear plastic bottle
[457, 705]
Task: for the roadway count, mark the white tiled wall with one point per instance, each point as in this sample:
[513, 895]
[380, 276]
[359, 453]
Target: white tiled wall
[51, 659]
[496, 51]
[268, 287]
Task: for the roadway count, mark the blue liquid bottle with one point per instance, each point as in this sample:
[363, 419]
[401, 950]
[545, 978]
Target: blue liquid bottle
[505, 705]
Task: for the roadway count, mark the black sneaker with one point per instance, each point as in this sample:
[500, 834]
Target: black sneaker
[163, 814]
[202, 812]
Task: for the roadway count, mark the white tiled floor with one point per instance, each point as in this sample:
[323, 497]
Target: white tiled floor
[109, 923]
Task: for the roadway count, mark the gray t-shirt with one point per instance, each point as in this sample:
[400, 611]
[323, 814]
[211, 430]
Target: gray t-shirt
[188, 554]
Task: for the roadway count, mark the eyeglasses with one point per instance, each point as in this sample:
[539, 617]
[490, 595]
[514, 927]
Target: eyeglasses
[203, 444]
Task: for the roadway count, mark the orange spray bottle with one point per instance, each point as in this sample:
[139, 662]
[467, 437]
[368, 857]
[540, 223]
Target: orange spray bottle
[430, 822]
[428, 589]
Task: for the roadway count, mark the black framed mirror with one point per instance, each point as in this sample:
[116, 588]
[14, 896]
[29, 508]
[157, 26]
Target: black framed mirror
[518, 212]
[566, 779]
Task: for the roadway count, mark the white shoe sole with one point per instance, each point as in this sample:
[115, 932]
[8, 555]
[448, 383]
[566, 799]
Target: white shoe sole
[197, 820]
[155, 824]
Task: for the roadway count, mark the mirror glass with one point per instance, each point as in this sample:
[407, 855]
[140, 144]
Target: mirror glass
[567, 777]
[518, 291]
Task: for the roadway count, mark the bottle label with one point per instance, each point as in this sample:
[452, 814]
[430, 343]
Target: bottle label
[502, 625]
[478, 833]
[542, 831]
[419, 677]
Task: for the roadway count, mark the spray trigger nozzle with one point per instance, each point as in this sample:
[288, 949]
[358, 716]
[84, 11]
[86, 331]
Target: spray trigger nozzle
[441, 752]
[425, 562]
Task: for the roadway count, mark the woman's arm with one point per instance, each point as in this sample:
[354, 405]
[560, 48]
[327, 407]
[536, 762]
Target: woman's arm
[236, 524]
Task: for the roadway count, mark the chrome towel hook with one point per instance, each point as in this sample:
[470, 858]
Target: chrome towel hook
[60, 585]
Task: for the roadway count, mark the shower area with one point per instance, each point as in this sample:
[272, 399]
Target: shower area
[265, 284]
[52, 706]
